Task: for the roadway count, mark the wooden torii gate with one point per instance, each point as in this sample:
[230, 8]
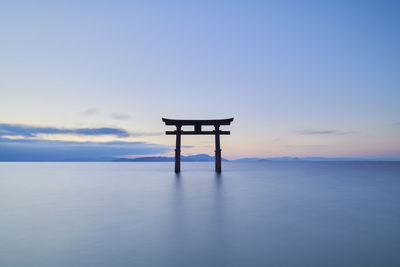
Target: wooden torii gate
[197, 131]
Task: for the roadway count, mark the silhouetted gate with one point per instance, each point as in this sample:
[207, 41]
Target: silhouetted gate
[197, 130]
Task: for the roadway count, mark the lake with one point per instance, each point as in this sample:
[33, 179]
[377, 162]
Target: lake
[253, 214]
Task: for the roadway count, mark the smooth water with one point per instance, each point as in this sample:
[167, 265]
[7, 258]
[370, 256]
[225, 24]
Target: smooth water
[253, 214]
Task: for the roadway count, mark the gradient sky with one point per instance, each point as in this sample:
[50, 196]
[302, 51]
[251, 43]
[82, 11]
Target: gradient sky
[301, 78]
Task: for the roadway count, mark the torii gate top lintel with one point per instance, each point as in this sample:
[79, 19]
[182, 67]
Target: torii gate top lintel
[197, 131]
[197, 126]
[194, 122]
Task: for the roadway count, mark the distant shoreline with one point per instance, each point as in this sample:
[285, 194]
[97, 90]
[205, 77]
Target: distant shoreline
[171, 161]
[208, 158]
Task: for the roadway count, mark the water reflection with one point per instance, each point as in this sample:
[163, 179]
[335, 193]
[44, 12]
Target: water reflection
[177, 205]
[198, 218]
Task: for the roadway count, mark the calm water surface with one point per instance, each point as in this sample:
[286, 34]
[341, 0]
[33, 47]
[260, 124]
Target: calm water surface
[254, 214]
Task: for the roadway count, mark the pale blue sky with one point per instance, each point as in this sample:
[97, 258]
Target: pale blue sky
[301, 78]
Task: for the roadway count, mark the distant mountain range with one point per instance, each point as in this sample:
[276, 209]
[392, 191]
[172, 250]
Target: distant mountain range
[306, 159]
[205, 157]
[193, 158]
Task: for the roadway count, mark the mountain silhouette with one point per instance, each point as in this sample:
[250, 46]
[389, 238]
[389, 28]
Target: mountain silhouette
[193, 158]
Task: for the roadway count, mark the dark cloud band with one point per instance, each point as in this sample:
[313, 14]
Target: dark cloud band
[31, 131]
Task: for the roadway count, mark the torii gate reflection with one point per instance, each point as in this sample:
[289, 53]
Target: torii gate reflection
[197, 131]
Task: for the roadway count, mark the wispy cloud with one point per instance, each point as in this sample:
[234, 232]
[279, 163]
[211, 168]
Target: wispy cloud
[32, 131]
[323, 132]
[47, 150]
[90, 111]
[120, 116]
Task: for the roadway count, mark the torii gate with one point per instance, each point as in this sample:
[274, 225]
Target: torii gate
[197, 130]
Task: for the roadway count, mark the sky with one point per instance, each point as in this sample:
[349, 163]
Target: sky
[300, 78]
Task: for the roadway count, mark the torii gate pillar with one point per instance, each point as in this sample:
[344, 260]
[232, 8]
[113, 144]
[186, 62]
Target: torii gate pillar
[178, 150]
[217, 151]
[197, 131]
